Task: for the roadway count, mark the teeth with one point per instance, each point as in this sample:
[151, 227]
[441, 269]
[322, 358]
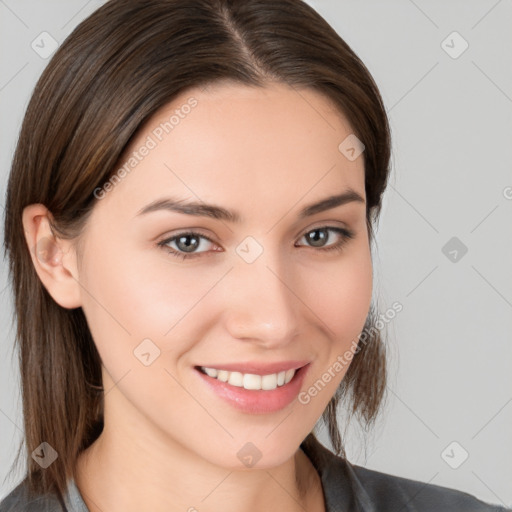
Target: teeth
[223, 375]
[249, 380]
[236, 379]
[269, 381]
[252, 381]
[212, 372]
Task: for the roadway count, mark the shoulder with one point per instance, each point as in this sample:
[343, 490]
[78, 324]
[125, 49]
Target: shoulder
[350, 487]
[19, 500]
[390, 491]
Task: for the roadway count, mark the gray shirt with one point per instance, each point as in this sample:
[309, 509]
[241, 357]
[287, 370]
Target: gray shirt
[347, 488]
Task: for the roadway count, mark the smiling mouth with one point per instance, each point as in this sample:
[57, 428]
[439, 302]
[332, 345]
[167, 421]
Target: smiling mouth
[250, 381]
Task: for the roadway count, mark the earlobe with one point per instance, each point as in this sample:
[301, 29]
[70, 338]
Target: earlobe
[54, 258]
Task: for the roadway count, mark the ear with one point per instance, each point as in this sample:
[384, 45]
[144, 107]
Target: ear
[54, 258]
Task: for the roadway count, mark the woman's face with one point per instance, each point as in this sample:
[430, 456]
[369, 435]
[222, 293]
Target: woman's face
[279, 288]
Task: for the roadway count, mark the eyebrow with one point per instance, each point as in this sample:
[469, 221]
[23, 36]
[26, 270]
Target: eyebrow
[201, 209]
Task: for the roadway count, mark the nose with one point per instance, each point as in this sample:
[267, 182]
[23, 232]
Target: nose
[262, 306]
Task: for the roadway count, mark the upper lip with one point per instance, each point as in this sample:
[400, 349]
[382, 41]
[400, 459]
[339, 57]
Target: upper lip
[258, 368]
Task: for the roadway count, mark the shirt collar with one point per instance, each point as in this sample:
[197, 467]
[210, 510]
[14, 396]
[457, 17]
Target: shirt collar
[343, 491]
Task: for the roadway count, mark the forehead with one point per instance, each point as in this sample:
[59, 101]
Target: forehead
[239, 145]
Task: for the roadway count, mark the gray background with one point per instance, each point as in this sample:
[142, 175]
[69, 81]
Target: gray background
[450, 349]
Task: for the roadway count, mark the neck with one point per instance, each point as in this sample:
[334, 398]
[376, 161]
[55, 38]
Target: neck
[122, 471]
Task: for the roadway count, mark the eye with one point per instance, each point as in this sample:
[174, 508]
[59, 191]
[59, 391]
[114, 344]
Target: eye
[188, 242]
[319, 236]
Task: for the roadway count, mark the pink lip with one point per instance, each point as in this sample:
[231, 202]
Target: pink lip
[258, 368]
[257, 401]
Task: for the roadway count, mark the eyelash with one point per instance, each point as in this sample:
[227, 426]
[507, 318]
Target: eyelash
[346, 235]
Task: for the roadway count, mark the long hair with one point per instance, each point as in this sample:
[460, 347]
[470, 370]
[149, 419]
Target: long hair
[116, 69]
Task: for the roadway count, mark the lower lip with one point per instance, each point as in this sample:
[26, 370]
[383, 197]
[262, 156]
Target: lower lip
[257, 401]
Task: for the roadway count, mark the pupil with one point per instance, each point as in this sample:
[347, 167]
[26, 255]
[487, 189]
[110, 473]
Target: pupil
[188, 247]
[315, 239]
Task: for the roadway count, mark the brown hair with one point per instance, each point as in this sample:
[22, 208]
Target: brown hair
[116, 69]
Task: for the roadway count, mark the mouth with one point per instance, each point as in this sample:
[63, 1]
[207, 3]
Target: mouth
[251, 381]
[255, 389]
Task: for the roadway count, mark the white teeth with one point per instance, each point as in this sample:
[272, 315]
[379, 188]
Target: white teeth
[269, 381]
[250, 380]
[212, 372]
[289, 376]
[236, 379]
[223, 375]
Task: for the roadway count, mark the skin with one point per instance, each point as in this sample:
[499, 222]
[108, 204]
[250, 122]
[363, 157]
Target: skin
[266, 153]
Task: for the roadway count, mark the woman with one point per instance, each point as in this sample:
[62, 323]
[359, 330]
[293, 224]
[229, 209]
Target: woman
[189, 223]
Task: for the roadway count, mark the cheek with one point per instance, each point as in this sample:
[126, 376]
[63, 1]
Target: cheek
[138, 312]
[341, 294]
[140, 297]
[341, 298]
